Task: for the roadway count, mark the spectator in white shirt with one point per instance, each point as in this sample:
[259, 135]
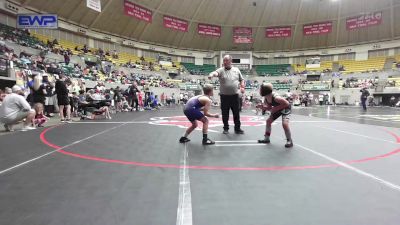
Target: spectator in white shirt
[97, 96]
[14, 109]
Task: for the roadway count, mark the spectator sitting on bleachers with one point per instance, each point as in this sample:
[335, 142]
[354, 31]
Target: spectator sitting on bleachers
[85, 49]
[101, 53]
[66, 58]
[115, 54]
[23, 54]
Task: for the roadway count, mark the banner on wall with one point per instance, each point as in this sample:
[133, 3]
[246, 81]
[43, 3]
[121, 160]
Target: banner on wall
[94, 4]
[315, 87]
[317, 28]
[365, 20]
[209, 30]
[313, 63]
[137, 11]
[277, 32]
[176, 24]
[242, 35]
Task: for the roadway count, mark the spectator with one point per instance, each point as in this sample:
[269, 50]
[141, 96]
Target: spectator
[140, 100]
[118, 99]
[49, 44]
[321, 99]
[115, 54]
[49, 99]
[66, 58]
[96, 96]
[85, 49]
[69, 52]
[125, 105]
[40, 118]
[163, 98]
[152, 102]
[63, 99]
[38, 94]
[173, 100]
[82, 85]
[334, 100]
[101, 53]
[392, 101]
[23, 54]
[106, 112]
[14, 109]
[364, 96]
[132, 93]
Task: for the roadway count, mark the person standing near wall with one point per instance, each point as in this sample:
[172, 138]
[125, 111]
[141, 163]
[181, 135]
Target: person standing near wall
[364, 97]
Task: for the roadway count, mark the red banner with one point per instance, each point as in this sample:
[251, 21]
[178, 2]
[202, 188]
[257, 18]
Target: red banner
[276, 32]
[243, 31]
[365, 20]
[209, 30]
[137, 11]
[175, 23]
[242, 35]
[242, 40]
[317, 28]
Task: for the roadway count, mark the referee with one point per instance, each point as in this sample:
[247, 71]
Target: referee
[231, 80]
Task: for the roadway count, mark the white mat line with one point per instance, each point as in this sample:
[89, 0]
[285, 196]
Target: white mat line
[237, 141]
[65, 146]
[357, 134]
[184, 211]
[232, 145]
[109, 122]
[352, 168]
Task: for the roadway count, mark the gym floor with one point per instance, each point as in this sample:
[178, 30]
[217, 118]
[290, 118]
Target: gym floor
[343, 169]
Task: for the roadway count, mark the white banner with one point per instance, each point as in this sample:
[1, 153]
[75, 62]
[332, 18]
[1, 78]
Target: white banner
[94, 4]
[313, 63]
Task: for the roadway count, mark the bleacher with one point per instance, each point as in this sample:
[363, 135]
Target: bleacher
[173, 67]
[397, 59]
[272, 70]
[199, 69]
[352, 66]
[245, 72]
[326, 65]
[394, 81]
[123, 57]
[30, 41]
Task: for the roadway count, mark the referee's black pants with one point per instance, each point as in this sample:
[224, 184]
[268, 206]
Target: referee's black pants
[229, 102]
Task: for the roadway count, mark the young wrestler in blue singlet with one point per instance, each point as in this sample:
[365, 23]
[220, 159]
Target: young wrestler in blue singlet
[192, 111]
